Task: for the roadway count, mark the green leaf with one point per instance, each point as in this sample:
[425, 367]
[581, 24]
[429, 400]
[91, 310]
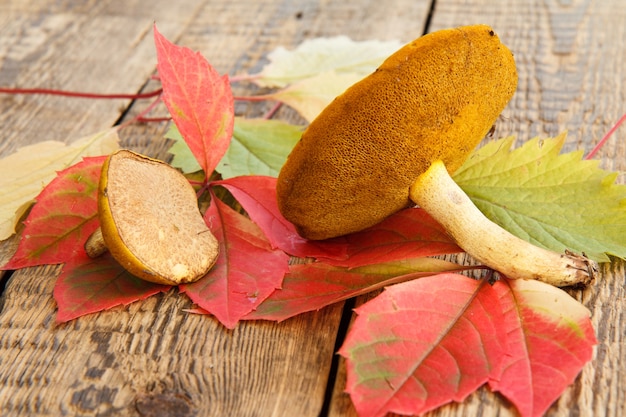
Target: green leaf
[259, 147]
[183, 157]
[556, 201]
[312, 57]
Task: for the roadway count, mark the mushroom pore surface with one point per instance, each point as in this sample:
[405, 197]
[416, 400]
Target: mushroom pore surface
[151, 222]
[434, 99]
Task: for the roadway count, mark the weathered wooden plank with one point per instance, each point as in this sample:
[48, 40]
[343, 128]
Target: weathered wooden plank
[571, 63]
[151, 354]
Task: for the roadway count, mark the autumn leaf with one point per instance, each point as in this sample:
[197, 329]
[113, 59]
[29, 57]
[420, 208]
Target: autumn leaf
[24, 173]
[247, 270]
[312, 286]
[315, 56]
[89, 285]
[199, 100]
[182, 156]
[257, 195]
[65, 215]
[409, 233]
[422, 344]
[556, 201]
[258, 147]
[311, 95]
[550, 339]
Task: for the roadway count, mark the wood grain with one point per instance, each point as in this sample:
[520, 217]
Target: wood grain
[152, 358]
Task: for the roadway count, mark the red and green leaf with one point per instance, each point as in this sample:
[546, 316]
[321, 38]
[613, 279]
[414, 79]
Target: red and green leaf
[550, 338]
[64, 216]
[309, 287]
[247, 270]
[257, 195]
[89, 285]
[422, 344]
[410, 233]
[199, 100]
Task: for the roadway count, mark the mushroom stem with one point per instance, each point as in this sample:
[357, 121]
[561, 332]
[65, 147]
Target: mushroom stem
[95, 245]
[437, 193]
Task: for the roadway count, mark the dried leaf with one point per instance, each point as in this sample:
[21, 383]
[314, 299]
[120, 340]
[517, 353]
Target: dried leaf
[315, 56]
[89, 285]
[422, 344]
[311, 95]
[247, 270]
[309, 287]
[65, 215]
[199, 100]
[25, 173]
[550, 339]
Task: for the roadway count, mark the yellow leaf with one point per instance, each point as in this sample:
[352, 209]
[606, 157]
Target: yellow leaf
[26, 172]
[311, 95]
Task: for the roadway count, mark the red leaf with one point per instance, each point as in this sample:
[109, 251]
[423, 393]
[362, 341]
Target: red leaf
[89, 285]
[410, 233]
[423, 343]
[550, 338]
[247, 270]
[64, 216]
[309, 287]
[257, 195]
[198, 99]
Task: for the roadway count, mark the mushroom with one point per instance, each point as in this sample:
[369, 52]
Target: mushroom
[393, 139]
[150, 221]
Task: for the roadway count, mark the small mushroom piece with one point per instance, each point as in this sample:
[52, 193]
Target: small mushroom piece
[150, 221]
[392, 139]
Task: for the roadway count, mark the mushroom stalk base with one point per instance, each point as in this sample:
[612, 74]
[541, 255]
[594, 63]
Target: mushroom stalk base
[437, 193]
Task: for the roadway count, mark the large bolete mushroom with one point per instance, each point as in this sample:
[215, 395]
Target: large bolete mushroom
[150, 221]
[393, 139]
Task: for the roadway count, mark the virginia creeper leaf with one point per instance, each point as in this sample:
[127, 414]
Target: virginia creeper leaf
[550, 338]
[258, 147]
[64, 216]
[556, 201]
[24, 173]
[257, 195]
[311, 95]
[315, 56]
[247, 270]
[423, 343]
[199, 100]
[409, 233]
[309, 287]
[89, 285]
[183, 157]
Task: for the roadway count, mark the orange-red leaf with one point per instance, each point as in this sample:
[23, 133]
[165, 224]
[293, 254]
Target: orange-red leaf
[90, 285]
[247, 270]
[550, 338]
[199, 100]
[423, 343]
[64, 216]
[410, 233]
[257, 195]
[309, 287]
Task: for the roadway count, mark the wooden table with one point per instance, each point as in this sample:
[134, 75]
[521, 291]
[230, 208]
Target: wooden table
[151, 357]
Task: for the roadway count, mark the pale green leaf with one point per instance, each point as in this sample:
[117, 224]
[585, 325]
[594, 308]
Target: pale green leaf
[26, 172]
[556, 201]
[258, 147]
[183, 157]
[315, 56]
[311, 95]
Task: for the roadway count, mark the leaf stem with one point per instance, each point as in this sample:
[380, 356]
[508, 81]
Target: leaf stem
[78, 94]
[606, 137]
